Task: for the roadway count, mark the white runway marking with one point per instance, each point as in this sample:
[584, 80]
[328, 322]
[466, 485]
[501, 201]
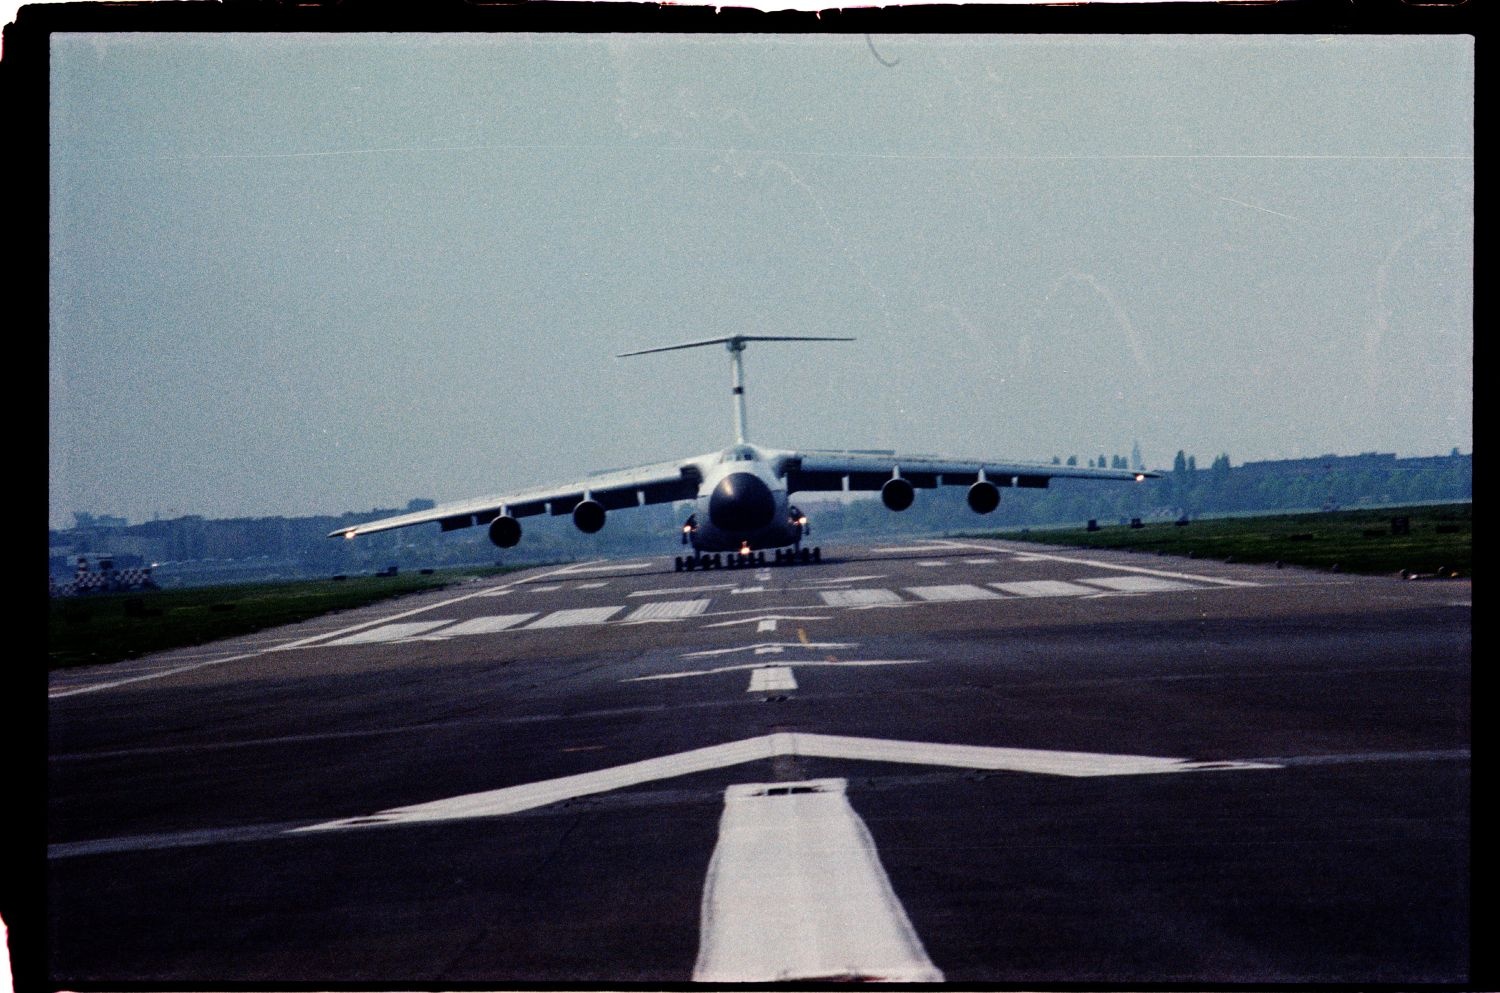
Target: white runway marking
[288, 646]
[763, 618]
[1041, 556]
[933, 563]
[774, 677]
[391, 632]
[486, 625]
[760, 665]
[513, 799]
[1138, 584]
[769, 650]
[576, 569]
[574, 617]
[668, 610]
[1044, 587]
[544, 589]
[859, 598]
[593, 586]
[840, 581]
[766, 625]
[980, 561]
[914, 548]
[684, 589]
[961, 591]
[795, 890]
[748, 589]
[773, 644]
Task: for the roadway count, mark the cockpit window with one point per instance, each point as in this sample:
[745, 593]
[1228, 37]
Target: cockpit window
[740, 453]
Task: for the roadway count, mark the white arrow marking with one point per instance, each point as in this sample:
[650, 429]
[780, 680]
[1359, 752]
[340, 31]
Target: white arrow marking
[773, 644]
[512, 799]
[795, 890]
[763, 618]
[759, 665]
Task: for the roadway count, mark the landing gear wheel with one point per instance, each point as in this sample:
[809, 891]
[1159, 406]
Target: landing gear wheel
[804, 556]
[760, 558]
[817, 554]
[678, 563]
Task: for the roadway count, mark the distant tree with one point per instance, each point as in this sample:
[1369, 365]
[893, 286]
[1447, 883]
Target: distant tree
[1101, 462]
[1192, 464]
[1072, 460]
[1056, 460]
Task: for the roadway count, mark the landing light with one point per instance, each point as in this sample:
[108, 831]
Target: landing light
[1140, 478]
[744, 548]
[348, 535]
[802, 520]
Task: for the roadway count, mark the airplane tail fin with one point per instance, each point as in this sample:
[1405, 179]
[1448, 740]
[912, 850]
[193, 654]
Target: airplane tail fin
[736, 345]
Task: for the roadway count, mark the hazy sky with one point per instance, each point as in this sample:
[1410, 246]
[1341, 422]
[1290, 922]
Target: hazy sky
[306, 274]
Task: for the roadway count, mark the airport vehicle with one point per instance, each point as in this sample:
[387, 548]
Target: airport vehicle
[742, 494]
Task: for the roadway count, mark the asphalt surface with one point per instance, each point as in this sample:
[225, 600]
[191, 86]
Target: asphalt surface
[1284, 795]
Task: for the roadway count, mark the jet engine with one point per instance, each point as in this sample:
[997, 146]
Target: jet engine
[505, 532]
[588, 516]
[897, 493]
[983, 497]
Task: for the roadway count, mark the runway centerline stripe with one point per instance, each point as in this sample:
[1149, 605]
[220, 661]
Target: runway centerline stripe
[773, 677]
[795, 890]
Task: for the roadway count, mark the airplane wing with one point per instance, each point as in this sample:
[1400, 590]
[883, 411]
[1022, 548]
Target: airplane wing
[616, 489]
[869, 470]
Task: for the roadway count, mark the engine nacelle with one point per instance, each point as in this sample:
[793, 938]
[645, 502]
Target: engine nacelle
[983, 497]
[897, 494]
[588, 516]
[505, 532]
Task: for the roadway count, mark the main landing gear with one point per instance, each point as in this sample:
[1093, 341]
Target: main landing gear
[731, 560]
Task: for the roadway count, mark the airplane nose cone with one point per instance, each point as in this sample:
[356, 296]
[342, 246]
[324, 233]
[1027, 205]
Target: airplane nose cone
[741, 502]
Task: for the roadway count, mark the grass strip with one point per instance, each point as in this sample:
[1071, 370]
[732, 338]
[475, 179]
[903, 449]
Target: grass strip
[107, 627]
[1433, 540]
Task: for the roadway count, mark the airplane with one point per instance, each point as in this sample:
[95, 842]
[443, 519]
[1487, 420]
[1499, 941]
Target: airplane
[742, 494]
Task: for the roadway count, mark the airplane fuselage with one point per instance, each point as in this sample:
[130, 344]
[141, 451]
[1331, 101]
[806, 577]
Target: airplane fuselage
[742, 504]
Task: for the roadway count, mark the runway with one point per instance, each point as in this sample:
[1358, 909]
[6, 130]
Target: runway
[951, 760]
